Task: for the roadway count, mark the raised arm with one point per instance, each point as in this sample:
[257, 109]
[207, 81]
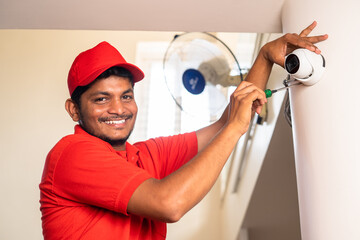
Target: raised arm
[170, 198]
[272, 52]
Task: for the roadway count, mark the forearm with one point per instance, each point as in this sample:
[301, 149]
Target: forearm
[204, 135]
[261, 69]
[258, 75]
[183, 189]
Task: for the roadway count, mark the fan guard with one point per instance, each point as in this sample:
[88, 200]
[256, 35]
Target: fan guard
[199, 71]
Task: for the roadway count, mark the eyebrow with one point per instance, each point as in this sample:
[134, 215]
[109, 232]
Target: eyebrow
[99, 93]
[130, 90]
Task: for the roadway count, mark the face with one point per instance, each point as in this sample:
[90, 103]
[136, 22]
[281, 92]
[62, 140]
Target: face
[108, 110]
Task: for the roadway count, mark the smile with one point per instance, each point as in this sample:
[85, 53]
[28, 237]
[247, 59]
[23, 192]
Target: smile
[115, 122]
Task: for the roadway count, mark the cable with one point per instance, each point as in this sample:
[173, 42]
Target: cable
[287, 108]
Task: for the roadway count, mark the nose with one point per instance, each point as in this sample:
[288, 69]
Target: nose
[116, 107]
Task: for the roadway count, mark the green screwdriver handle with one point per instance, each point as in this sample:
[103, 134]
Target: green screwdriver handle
[268, 93]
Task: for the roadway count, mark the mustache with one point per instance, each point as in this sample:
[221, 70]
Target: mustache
[115, 117]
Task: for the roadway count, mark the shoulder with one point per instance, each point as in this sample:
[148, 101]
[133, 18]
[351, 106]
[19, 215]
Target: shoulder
[79, 144]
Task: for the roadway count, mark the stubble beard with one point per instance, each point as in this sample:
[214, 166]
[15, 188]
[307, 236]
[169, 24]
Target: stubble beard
[112, 142]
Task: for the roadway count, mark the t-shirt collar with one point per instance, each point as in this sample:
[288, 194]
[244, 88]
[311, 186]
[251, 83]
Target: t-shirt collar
[132, 152]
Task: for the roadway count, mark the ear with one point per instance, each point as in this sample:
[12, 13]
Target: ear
[72, 109]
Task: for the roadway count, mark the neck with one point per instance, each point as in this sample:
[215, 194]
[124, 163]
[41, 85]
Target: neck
[119, 147]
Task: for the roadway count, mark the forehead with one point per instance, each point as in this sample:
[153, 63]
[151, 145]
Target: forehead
[111, 84]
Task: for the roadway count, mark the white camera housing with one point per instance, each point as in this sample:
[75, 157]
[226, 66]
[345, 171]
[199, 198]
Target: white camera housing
[305, 66]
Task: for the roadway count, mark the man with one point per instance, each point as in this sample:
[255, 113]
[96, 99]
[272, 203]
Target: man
[96, 185]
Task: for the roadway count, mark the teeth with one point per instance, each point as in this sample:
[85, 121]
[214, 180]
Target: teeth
[115, 122]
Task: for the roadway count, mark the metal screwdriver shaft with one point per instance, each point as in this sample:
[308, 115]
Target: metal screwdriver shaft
[269, 92]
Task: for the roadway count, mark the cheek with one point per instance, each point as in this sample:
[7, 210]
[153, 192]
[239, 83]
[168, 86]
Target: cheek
[94, 110]
[97, 112]
[90, 114]
[134, 111]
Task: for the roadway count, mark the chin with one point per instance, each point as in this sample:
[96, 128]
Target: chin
[115, 141]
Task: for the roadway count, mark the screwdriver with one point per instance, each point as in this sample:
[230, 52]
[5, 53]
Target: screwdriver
[269, 92]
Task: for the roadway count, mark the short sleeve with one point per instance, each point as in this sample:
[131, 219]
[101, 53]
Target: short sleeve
[170, 153]
[90, 173]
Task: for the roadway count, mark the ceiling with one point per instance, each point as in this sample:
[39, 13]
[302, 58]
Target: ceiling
[263, 16]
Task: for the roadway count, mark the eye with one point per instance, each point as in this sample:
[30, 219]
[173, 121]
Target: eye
[100, 99]
[128, 97]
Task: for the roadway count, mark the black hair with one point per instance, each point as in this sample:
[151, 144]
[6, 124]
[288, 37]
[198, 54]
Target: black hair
[113, 71]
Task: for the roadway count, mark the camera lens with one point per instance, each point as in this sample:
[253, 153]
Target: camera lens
[292, 64]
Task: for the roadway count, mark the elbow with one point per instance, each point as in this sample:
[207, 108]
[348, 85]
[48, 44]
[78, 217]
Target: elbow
[164, 202]
[174, 216]
[173, 210]
[172, 219]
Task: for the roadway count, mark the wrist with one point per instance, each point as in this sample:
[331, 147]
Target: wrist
[236, 130]
[264, 55]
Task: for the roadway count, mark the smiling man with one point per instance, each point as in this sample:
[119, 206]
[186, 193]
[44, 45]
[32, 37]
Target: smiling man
[96, 185]
[107, 108]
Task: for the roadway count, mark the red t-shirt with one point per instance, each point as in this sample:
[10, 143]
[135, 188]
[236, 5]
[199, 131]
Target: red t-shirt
[86, 185]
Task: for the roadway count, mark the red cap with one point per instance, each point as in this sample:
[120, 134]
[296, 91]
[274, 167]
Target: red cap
[89, 64]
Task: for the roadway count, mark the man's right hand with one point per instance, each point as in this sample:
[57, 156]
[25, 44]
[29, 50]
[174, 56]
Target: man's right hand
[244, 102]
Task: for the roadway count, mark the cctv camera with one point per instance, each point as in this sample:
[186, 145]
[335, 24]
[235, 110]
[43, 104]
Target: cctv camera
[305, 66]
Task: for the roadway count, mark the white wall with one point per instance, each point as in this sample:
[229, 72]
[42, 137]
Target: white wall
[144, 15]
[326, 123]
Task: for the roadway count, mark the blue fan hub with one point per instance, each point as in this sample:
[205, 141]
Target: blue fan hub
[193, 81]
